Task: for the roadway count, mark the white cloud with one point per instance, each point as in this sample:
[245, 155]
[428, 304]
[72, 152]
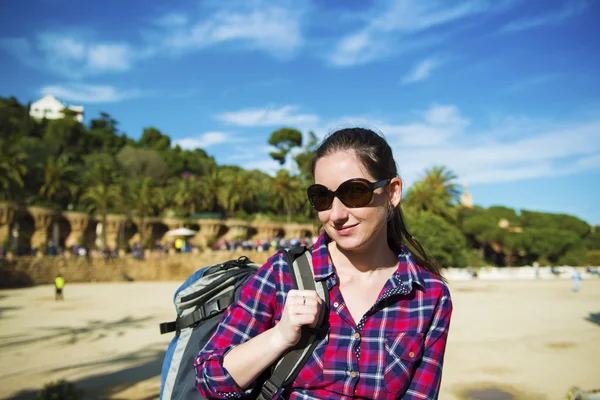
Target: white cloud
[172, 20]
[205, 140]
[402, 26]
[285, 115]
[569, 9]
[422, 70]
[274, 29]
[70, 56]
[109, 57]
[85, 93]
[442, 135]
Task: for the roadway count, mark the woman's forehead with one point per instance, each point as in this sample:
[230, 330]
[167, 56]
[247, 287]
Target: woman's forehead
[338, 167]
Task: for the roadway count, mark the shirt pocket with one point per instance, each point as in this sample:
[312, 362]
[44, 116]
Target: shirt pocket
[311, 375]
[403, 353]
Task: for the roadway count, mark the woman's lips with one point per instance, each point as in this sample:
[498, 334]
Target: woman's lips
[344, 230]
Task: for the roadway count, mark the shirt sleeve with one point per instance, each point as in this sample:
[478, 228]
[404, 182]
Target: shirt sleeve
[428, 375]
[251, 315]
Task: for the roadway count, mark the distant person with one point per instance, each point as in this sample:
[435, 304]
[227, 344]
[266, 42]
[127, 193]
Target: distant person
[576, 277]
[536, 269]
[59, 285]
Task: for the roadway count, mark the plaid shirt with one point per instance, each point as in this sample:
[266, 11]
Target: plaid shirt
[395, 351]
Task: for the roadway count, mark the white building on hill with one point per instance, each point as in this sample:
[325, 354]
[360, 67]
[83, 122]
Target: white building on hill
[50, 107]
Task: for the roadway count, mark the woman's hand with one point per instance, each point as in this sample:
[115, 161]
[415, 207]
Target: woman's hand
[301, 307]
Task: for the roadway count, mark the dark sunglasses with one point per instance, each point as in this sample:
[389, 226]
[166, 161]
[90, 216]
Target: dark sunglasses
[353, 193]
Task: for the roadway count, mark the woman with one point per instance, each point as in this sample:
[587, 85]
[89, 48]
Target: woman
[389, 307]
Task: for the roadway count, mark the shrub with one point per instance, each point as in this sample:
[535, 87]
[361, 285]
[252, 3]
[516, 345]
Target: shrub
[59, 390]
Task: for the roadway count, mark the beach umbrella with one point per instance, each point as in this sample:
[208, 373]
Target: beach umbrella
[181, 232]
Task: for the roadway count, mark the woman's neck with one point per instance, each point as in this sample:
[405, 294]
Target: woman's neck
[363, 262]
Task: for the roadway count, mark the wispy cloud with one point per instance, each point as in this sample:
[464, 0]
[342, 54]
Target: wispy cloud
[570, 9]
[402, 26]
[273, 29]
[86, 93]
[531, 81]
[422, 70]
[286, 115]
[442, 135]
[205, 140]
[70, 56]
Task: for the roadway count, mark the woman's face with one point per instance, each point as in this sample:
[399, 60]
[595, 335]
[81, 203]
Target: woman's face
[354, 229]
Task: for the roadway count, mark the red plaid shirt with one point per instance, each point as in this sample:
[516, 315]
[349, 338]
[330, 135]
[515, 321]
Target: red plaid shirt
[395, 351]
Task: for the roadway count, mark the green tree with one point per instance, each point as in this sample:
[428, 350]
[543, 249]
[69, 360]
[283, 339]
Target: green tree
[304, 158]
[437, 193]
[284, 139]
[441, 240]
[101, 198]
[186, 193]
[104, 135]
[13, 168]
[152, 138]
[144, 197]
[547, 243]
[287, 193]
[141, 163]
[214, 183]
[66, 135]
[238, 189]
[59, 178]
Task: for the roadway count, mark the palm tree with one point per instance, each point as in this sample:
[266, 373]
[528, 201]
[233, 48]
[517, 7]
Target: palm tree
[437, 193]
[187, 193]
[13, 168]
[101, 198]
[144, 197]
[214, 183]
[287, 192]
[238, 189]
[442, 180]
[58, 178]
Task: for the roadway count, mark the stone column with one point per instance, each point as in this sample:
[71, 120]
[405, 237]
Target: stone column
[7, 215]
[238, 229]
[299, 231]
[113, 225]
[267, 230]
[79, 222]
[42, 218]
[143, 229]
[209, 230]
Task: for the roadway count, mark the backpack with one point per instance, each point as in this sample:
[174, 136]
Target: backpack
[200, 302]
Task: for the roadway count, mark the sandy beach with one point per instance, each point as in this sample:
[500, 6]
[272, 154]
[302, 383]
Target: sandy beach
[523, 339]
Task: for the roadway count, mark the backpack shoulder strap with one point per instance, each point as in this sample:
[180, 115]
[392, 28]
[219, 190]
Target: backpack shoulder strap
[289, 365]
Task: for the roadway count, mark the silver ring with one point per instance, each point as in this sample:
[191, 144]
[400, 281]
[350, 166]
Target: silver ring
[303, 300]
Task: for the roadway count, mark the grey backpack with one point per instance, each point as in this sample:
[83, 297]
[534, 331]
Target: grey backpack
[200, 302]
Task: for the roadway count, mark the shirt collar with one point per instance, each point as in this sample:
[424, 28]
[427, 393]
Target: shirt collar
[408, 271]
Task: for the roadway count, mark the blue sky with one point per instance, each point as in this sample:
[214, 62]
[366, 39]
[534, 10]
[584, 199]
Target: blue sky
[506, 93]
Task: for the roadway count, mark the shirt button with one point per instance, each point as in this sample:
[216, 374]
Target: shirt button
[357, 336]
[411, 354]
[336, 304]
[353, 374]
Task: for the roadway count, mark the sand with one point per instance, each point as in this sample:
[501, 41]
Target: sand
[521, 339]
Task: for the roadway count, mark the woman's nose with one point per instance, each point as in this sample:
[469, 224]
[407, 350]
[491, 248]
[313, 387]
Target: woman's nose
[338, 211]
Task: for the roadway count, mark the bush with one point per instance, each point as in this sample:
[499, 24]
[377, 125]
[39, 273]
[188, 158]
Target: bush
[593, 258]
[59, 390]
[474, 258]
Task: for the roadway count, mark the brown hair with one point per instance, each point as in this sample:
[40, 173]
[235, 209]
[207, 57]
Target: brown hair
[376, 155]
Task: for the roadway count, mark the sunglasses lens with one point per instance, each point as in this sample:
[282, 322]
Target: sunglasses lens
[320, 197]
[355, 193]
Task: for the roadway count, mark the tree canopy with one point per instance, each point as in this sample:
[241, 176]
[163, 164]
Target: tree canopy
[95, 167]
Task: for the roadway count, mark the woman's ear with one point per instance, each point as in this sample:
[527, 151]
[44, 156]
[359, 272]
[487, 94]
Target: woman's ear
[395, 190]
